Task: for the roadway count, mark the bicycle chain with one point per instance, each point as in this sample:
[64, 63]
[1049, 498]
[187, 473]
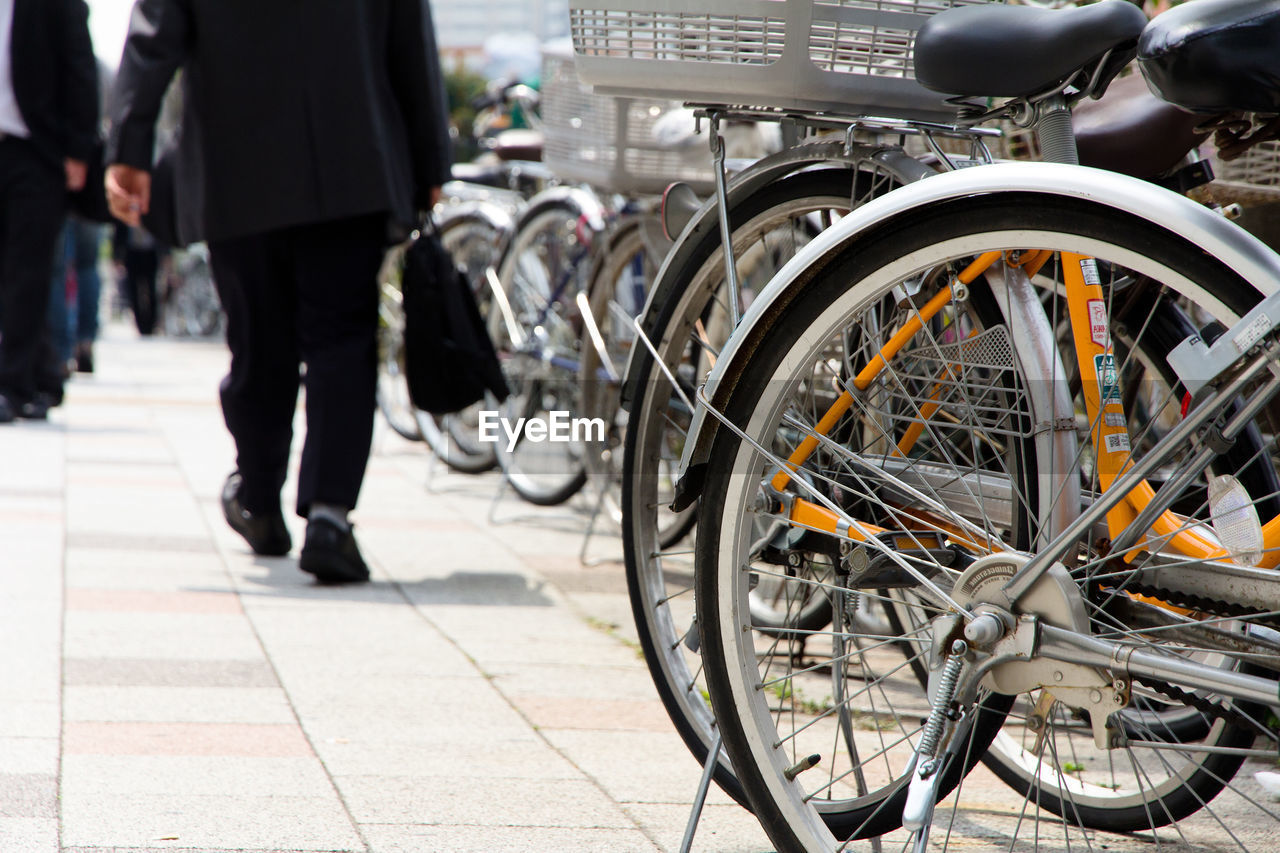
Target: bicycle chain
[1204, 605]
[1200, 703]
[1216, 607]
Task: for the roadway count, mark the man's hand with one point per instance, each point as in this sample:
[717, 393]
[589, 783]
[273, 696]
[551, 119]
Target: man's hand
[433, 197]
[76, 171]
[128, 193]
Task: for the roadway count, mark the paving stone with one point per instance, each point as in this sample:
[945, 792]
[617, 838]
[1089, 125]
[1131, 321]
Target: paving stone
[268, 823]
[494, 801]
[177, 704]
[28, 795]
[29, 756]
[29, 834]
[226, 739]
[501, 839]
[159, 672]
[86, 776]
[634, 766]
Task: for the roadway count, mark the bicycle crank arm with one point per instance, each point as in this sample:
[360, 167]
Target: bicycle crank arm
[1126, 660]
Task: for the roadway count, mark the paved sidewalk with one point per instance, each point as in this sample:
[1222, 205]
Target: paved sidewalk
[164, 689]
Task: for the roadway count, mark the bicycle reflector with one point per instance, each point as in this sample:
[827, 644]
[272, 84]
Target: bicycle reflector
[1235, 519]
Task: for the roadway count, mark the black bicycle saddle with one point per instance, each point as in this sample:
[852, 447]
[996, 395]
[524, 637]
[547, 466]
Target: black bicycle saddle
[993, 50]
[1215, 56]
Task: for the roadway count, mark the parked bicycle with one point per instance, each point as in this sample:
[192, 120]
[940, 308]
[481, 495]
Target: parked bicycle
[661, 602]
[1073, 574]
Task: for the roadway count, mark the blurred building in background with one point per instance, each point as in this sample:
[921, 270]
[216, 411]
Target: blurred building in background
[498, 38]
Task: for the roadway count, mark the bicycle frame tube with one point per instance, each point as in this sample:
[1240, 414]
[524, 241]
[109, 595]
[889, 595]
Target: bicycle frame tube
[869, 373]
[1238, 250]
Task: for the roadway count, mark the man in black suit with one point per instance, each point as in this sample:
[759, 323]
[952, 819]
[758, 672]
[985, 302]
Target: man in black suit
[308, 129]
[48, 127]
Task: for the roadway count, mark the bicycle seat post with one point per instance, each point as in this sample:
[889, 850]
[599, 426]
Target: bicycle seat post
[1054, 132]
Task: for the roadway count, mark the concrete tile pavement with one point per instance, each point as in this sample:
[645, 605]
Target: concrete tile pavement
[165, 689]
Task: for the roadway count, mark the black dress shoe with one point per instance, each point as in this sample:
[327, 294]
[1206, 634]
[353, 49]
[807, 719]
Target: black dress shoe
[330, 553]
[84, 357]
[37, 408]
[265, 532]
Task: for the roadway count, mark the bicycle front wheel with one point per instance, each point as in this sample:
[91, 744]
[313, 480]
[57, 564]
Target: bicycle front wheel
[936, 458]
[537, 330]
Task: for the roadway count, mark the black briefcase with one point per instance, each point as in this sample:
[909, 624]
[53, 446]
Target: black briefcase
[450, 361]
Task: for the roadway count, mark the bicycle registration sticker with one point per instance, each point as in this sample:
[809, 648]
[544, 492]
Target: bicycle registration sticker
[1117, 442]
[1089, 269]
[1252, 333]
[1098, 323]
[1104, 366]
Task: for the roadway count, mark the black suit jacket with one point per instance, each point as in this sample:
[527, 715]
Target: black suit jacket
[55, 77]
[294, 111]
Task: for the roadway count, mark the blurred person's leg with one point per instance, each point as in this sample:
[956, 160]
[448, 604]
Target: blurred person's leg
[337, 267]
[259, 395]
[141, 267]
[87, 246]
[32, 198]
[60, 322]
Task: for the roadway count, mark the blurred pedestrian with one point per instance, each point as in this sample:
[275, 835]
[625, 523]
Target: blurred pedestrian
[311, 134]
[75, 295]
[137, 258]
[48, 128]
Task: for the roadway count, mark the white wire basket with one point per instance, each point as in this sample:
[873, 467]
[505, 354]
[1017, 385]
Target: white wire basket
[1254, 175]
[842, 56]
[608, 141]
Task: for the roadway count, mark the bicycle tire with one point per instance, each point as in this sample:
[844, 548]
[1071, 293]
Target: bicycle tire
[853, 277]
[543, 271]
[393, 385]
[620, 282]
[658, 586]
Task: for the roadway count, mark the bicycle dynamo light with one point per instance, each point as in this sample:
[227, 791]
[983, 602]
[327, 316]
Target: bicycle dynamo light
[1235, 519]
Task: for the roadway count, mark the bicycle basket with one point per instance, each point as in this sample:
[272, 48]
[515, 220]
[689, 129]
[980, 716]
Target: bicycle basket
[1251, 178]
[841, 56]
[608, 141]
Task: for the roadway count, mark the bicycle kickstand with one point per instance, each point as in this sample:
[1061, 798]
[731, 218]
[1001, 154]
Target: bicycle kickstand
[927, 766]
[700, 798]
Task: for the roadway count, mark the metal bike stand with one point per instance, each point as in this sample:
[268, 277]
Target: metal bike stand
[503, 485]
[611, 371]
[700, 798]
[434, 463]
[722, 208]
[597, 508]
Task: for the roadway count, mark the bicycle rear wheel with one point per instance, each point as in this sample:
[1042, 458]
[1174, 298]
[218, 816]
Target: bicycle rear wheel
[620, 285]
[938, 450]
[687, 327]
[474, 237]
[537, 335]
[393, 386]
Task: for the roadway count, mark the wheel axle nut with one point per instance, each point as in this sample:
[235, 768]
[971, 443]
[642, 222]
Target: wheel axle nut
[984, 630]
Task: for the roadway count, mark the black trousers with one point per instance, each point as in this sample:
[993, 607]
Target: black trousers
[32, 205]
[305, 295]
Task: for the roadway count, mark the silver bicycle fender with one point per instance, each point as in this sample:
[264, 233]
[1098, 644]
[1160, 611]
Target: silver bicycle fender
[1233, 246]
[742, 185]
[496, 216]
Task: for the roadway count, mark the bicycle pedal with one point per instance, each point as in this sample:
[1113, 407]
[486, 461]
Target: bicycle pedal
[870, 567]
